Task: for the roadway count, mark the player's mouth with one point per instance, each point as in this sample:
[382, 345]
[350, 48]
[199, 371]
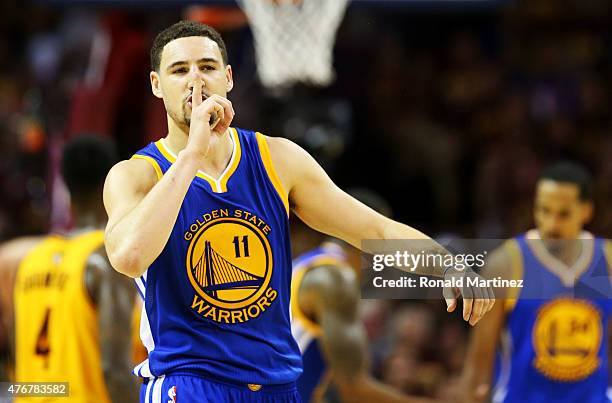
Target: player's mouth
[189, 103]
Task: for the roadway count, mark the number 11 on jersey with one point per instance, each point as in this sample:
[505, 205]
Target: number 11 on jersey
[245, 246]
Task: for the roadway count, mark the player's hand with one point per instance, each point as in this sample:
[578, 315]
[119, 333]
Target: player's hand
[477, 301]
[210, 118]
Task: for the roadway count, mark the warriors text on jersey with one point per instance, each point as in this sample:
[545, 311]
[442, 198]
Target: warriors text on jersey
[555, 347]
[216, 300]
[55, 320]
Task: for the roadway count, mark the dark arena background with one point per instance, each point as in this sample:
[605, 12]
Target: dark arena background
[446, 109]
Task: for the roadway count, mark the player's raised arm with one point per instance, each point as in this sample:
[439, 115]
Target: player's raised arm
[142, 210]
[325, 207]
[113, 295]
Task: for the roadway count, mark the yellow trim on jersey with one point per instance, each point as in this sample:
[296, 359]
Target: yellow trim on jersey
[296, 312]
[296, 282]
[151, 161]
[264, 151]
[164, 151]
[516, 272]
[172, 159]
[217, 185]
[234, 161]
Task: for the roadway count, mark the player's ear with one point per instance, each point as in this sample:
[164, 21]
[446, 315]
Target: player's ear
[155, 84]
[229, 75]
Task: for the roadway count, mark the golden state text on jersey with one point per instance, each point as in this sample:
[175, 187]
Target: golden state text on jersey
[229, 265]
[216, 300]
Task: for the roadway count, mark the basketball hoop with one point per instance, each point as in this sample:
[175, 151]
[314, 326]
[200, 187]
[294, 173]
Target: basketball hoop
[294, 39]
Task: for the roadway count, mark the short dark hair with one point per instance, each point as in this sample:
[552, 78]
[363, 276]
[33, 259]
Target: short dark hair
[570, 172]
[183, 29]
[86, 160]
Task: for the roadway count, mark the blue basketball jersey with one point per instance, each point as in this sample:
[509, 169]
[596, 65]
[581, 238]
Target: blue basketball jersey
[305, 331]
[555, 346]
[216, 300]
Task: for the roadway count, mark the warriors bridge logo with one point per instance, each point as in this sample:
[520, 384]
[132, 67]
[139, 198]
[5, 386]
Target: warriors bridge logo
[229, 264]
[567, 338]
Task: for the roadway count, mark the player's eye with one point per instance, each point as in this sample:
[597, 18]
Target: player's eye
[180, 70]
[208, 67]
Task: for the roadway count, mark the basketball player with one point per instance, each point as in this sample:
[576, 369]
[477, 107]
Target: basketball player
[325, 323]
[72, 310]
[554, 347]
[200, 220]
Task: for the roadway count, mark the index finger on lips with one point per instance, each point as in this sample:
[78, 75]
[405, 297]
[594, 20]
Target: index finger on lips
[196, 95]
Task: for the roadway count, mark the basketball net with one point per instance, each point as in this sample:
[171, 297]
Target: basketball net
[294, 39]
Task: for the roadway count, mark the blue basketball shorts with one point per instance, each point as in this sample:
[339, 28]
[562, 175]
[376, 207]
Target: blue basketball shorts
[194, 389]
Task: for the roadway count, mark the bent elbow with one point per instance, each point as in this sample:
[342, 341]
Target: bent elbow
[127, 262]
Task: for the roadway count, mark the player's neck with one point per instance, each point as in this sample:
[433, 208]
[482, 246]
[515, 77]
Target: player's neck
[218, 156]
[177, 136]
[567, 252]
[88, 210]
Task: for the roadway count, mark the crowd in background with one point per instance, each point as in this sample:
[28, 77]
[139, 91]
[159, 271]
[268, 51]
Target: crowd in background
[447, 113]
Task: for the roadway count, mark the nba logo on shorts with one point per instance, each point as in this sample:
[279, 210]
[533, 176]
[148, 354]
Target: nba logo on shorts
[172, 394]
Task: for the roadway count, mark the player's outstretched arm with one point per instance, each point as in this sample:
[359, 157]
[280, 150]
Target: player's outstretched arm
[325, 207]
[330, 295]
[475, 384]
[11, 255]
[113, 295]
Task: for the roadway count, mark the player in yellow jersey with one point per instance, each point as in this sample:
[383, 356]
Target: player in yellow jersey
[72, 310]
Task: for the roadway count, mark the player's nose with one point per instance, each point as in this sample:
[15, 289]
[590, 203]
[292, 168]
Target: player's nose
[193, 81]
[195, 74]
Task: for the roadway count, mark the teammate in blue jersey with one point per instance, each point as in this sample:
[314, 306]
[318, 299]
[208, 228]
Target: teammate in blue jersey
[200, 220]
[326, 326]
[551, 335]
